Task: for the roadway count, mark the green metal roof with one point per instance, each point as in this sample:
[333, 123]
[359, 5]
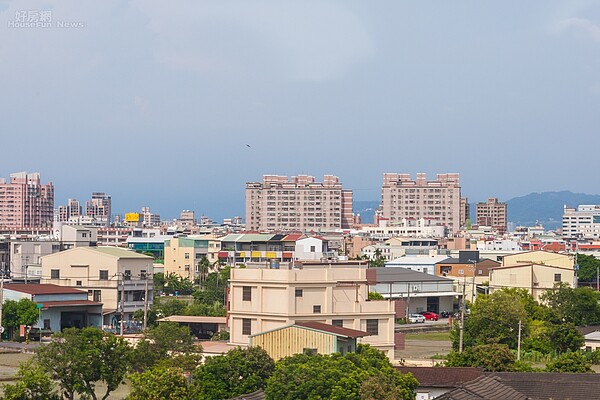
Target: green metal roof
[255, 237]
[119, 252]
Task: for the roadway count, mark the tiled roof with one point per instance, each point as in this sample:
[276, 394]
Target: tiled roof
[551, 385]
[258, 395]
[41, 288]
[442, 377]
[483, 388]
[336, 330]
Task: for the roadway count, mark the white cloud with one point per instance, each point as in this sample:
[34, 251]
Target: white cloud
[583, 25]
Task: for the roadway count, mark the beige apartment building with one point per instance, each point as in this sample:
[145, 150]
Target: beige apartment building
[299, 203]
[265, 299]
[439, 200]
[491, 213]
[183, 253]
[115, 277]
[536, 271]
[25, 202]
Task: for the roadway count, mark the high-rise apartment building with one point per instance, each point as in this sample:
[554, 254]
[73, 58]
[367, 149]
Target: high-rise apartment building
[25, 202]
[64, 213]
[438, 200]
[99, 208]
[491, 213]
[582, 222]
[299, 203]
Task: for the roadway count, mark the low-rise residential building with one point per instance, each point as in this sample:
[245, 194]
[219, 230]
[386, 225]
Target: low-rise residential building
[263, 299]
[536, 271]
[121, 279]
[420, 291]
[407, 227]
[60, 307]
[425, 264]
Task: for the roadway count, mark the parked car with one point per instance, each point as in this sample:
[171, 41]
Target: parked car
[416, 318]
[430, 316]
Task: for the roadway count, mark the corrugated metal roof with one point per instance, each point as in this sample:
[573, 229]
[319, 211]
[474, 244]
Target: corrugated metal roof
[69, 303]
[255, 237]
[192, 319]
[41, 288]
[336, 330]
[258, 395]
[119, 252]
[399, 274]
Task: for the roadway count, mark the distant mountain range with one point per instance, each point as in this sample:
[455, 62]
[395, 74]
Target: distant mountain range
[544, 208]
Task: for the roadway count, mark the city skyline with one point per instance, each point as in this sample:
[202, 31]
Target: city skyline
[177, 107]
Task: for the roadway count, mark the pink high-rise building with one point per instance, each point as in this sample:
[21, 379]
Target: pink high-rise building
[99, 208]
[299, 203]
[25, 202]
[438, 200]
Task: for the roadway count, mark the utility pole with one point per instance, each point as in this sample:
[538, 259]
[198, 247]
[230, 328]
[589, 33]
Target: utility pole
[145, 276]
[2, 296]
[519, 343]
[122, 303]
[462, 321]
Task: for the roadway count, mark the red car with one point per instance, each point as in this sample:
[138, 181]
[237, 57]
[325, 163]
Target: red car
[430, 316]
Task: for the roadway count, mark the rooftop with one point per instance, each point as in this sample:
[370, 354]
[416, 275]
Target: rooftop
[41, 288]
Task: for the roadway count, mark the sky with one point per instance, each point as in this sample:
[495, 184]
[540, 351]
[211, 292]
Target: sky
[155, 102]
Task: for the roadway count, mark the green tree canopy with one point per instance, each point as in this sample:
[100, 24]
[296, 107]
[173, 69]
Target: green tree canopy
[16, 313]
[33, 383]
[166, 339]
[338, 377]
[570, 362]
[237, 372]
[495, 318]
[579, 306]
[160, 383]
[78, 359]
[588, 268]
[491, 357]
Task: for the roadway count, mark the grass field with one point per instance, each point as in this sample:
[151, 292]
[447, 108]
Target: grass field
[437, 336]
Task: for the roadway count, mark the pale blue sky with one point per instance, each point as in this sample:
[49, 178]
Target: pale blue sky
[154, 102]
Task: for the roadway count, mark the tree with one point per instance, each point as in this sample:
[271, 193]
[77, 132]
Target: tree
[33, 383]
[570, 362]
[160, 383]
[378, 260]
[579, 306]
[175, 284]
[376, 296]
[335, 376]
[494, 319]
[491, 357]
[588, 268]
[16, 313]
[237, 372]
[78, 359]
[565, 337]
[203, 268]
[166, 339]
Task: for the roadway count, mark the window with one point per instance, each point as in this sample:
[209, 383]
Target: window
[97, 295]
[298, 292]
[373, 326]
[103, 274]
[246, 326]
[55, 274]
[247, 293]
[78, 283]
[557, 277]
[317, 309]
[127, 275]
[337, 322]
[312, 249]
[46, 324]
[187, 256]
